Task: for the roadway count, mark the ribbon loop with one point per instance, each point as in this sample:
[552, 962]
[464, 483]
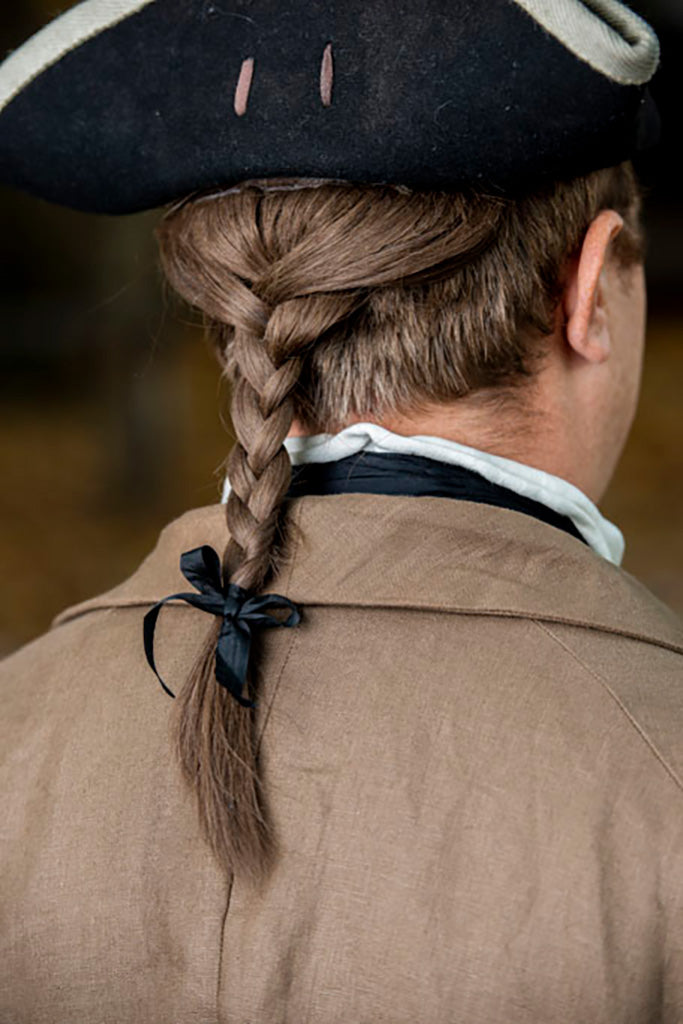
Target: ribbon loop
[239, 610]
[202, 568]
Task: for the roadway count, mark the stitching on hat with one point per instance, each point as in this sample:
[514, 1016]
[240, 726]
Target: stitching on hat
[65, 33]
[606, 34]
[327, 76]
[262, 185]
[244, 86]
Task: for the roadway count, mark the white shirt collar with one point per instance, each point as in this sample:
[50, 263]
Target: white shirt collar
[554, 492]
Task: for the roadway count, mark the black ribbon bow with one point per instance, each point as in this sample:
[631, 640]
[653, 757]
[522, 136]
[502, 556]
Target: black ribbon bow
[239, 611]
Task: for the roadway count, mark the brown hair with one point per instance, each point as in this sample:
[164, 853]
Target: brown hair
[338, 301]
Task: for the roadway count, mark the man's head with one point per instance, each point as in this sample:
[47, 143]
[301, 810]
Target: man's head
[514, 325]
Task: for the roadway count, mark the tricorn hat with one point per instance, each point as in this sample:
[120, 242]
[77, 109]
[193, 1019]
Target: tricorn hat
[125, 105]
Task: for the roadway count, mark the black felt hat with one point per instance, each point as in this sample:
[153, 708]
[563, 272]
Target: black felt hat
[125, 105]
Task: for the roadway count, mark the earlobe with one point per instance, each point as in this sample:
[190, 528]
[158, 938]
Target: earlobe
[587, 329]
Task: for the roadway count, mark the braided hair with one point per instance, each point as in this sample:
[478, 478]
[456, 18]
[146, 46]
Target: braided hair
[329, 301]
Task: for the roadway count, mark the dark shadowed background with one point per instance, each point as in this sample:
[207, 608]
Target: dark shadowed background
[111, 404]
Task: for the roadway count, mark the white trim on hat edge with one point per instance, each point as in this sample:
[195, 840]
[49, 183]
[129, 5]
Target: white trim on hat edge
[606, 34]
[58, 38]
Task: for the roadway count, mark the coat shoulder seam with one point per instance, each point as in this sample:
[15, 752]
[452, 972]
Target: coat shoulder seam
[543, 626]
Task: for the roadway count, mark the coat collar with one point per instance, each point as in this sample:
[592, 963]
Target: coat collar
[527, 481]
[424, 553]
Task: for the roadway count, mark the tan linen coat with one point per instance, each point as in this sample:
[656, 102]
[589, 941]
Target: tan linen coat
[474, 749]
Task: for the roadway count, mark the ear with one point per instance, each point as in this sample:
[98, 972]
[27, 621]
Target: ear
[587, 328]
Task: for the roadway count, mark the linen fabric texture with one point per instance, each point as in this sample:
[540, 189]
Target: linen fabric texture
[182, 96]
[473, 746]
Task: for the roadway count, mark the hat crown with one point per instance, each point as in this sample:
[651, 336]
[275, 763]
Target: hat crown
[123, 105]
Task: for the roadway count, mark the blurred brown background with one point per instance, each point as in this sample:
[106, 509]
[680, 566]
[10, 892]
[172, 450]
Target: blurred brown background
[111, 400]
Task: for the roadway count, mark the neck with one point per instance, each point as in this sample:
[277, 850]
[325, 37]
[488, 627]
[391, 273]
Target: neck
[536, 436]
